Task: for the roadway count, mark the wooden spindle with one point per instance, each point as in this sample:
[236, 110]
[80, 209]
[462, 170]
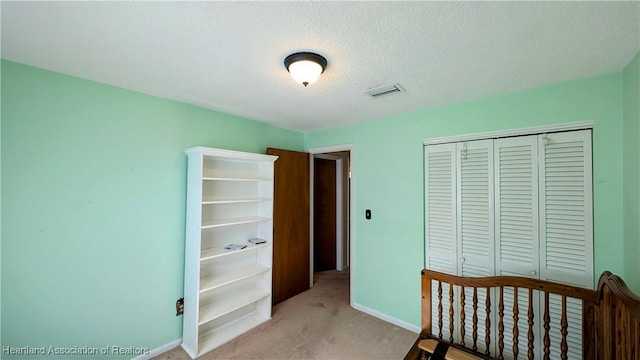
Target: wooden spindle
[563, 329]
[501, 324]
[546, 342]
[462, 315]
[451, 313]
[516, 331]
[530, 336]
[474, 334]
[487, 323]
[439, 309]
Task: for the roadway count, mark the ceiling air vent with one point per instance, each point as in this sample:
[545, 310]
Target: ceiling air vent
[385, 90]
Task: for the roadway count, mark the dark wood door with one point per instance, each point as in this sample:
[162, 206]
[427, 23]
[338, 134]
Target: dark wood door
[290, 224]
[324, 215]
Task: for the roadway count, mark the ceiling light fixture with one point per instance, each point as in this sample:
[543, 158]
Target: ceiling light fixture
[305, 67]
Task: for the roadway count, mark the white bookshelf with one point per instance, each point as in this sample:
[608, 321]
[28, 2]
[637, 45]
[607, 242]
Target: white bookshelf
[227, 332]
[229, 201]
[216, 252]
[224, 278]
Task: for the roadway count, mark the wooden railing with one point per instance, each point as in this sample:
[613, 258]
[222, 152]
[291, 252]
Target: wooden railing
[610, 316]
[616, 320]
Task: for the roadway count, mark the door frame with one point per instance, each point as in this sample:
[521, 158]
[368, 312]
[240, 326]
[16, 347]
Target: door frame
[352, 229]
[339, 207]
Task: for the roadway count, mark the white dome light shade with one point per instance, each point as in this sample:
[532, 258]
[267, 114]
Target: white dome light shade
[305, 72]
[305, 67]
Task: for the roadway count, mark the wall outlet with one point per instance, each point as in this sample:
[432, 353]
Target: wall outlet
[180, 307]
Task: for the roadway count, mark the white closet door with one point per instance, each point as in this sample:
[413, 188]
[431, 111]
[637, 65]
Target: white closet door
[440, 223]
[566, 218]
[516, 219]
[516, 227]
[566, 226]
[475, 208]
[475, 229]
[440, 208]
[512, 206]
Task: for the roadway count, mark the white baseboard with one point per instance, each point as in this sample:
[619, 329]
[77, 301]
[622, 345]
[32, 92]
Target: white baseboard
[387, 318]
[160, 350]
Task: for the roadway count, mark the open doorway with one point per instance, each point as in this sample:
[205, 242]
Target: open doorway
[293, 230]
[331, 211]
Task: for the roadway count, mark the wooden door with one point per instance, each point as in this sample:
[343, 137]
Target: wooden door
[290, 224]
[324, 215]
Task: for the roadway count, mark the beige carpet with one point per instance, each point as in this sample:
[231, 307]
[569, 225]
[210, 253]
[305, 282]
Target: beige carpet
[316, 324]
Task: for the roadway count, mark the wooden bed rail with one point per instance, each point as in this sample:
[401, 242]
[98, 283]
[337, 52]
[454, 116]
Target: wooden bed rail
[609, 316]
[616, 320]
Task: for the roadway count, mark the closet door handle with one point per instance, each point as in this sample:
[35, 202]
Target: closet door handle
[462, 260]
[532, 272]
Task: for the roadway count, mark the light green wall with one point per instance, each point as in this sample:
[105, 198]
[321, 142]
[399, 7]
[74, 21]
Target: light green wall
[388, 179]
[94, 192]
[631, 130]
[93, 179]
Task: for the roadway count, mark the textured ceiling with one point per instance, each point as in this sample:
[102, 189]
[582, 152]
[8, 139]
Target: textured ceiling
[227, 56]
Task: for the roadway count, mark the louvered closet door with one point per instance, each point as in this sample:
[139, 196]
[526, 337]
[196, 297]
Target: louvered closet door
[566, 225]
[566, 218]
[540, 226]
[516, 231]
[475, 231]
[440, 222]
[516, 221]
